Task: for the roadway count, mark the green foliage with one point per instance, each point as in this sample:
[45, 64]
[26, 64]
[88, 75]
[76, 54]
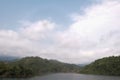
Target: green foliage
[30, 66]
[3, 68]
[104, 66]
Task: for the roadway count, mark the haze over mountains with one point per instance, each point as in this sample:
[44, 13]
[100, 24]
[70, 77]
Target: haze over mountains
[7, 58]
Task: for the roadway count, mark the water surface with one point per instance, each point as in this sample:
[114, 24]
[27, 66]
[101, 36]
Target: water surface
[69, 76]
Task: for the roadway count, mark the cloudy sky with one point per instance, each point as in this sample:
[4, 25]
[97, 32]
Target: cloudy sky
[73, 31]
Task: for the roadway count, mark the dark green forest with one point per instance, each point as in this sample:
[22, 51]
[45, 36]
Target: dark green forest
[104, 66]
[31, 66]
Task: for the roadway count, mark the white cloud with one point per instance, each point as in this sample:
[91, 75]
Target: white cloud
[92, 35]
[37, 30]
[27, 40]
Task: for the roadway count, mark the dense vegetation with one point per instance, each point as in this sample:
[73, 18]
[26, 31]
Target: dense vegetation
[104, 66]
[30, 66]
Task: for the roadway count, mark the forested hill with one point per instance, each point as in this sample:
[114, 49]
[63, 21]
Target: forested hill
[104, 66]
[31, 66]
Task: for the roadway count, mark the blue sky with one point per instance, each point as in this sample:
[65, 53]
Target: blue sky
[73, 31]
[14, 11]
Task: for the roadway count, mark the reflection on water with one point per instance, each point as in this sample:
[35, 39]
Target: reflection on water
[70, 76]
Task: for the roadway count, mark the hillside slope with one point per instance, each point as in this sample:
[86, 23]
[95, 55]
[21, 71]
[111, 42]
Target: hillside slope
[104, 66]
[31, 66]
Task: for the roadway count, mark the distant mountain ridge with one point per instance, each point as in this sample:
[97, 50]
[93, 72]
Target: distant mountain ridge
[7, 58]
[82, 65]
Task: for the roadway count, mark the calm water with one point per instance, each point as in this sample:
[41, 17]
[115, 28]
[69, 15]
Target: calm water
[70, 76]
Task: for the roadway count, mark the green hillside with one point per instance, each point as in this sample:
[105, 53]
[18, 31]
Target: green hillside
[104, 66]
[31, 66]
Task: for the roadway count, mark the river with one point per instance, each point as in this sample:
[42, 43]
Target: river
[69, 76]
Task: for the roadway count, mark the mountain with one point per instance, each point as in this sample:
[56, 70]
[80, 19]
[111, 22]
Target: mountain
[104, 66]
[7, 58]
[31, 66]
[82, 65]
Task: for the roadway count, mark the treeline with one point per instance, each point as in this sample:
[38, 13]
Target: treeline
[31, 66]
[104, 66]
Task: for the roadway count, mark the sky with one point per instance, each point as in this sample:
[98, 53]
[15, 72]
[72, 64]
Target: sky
[78, 31]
